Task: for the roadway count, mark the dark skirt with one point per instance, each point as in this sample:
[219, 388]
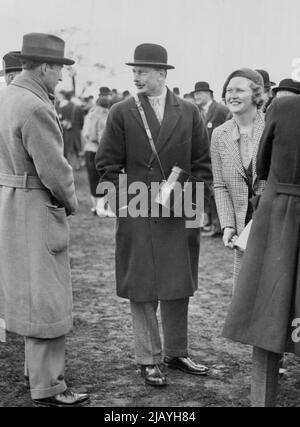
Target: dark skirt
[92, 172]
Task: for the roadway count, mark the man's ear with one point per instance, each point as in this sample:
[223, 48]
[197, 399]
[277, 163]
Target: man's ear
[44, 68]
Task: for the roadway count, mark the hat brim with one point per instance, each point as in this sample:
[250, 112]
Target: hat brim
[48, 59]
[289, 89]
[150, 64]
[202, 90]
[10, 70]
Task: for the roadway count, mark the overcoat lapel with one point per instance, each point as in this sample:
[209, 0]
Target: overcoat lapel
[171, 116]
[231, 142]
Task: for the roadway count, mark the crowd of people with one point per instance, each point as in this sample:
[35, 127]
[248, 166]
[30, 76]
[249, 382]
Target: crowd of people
[245, 149]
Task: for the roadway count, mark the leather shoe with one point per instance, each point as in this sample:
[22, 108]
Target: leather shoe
[66, 399]
[185, 364]
[153, 375]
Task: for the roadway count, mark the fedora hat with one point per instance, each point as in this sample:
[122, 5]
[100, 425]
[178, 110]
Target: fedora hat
[266, 78]
[289, 85]
[44, 48]
[10, 63]
[202, 87]
[150, 55]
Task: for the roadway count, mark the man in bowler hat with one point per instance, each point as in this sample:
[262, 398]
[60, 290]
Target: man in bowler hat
[156, 258]
[214, 114]
[12, 67]
[37, 194]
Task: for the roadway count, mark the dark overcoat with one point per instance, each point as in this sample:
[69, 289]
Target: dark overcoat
[156, 258]
[216, 115]
[267, 298]
[35, 276]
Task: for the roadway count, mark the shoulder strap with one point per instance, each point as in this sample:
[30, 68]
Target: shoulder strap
[148, 132]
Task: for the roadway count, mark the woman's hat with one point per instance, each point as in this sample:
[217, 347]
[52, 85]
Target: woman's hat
[247, 73]
[202, 87]
[150, 55]
[289, 85]
[266, 77]
[44, 48]
[10, 63]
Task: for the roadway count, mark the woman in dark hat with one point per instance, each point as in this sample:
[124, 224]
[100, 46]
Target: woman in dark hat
[94, 125]
[233, 149]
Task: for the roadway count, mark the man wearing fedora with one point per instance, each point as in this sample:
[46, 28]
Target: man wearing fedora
[12, 67]
[156, 258]
[287, 87]
[214, 114]
[268, 91]
[37, 194]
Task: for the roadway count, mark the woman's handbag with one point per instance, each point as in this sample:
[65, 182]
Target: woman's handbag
[241, 242]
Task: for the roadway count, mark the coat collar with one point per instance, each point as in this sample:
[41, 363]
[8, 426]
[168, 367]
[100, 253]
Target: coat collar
[36, 86]
[232, 142]
[160, 133]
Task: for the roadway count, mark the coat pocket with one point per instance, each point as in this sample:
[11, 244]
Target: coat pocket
[57, 231]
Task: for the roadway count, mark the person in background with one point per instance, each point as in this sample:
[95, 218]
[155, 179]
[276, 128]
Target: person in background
[189, 97]
[94, 125]
[156, 257]
[12, 67]
[116, 97]
[214, 114]
[268, 92]
[287, 87]
[126, 95]
[234, 147]
[176, 91]
[37, 193]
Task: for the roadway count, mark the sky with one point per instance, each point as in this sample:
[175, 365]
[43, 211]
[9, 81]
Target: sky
[205, 39]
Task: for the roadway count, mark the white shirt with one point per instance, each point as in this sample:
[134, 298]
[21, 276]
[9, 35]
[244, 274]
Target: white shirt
[158, 103]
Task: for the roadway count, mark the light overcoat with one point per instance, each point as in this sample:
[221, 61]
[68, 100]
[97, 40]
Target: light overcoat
[156, 258]
[35, 279]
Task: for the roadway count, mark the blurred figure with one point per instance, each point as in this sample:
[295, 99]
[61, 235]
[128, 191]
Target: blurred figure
[94, 125]
[268, 92]
[87, 103]
[265, 310]
[12, 67]
[126, 95]
[116, 97]
[72, 117]
[287, 87]
[233, 152]
[176, 91]
[214, 115]
[189, 97]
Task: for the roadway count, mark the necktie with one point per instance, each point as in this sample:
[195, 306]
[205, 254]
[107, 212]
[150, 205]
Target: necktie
[155, 104]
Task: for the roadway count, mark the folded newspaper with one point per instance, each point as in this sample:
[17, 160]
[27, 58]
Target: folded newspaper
[242, 240]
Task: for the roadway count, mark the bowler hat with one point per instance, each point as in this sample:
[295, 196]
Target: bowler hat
[266, 78]
[202, 87]
[44, 48]
[150, 55]
[10, 63]
[104, 91]
[289, 85]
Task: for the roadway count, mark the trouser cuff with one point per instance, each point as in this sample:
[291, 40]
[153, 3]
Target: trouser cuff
[43, 393]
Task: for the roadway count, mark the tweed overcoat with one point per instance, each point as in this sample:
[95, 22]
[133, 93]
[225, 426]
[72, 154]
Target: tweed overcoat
[156, 258]
[231, 190]
[267, 299]
[35, 279]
